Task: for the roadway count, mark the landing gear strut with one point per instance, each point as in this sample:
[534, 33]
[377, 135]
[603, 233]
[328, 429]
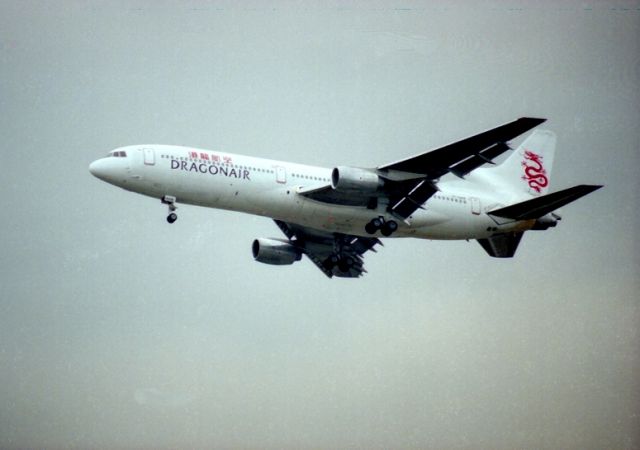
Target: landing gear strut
[171, 204]
[386, 227]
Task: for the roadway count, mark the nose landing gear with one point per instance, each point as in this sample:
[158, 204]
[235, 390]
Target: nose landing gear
[171, 204]
[386, 227]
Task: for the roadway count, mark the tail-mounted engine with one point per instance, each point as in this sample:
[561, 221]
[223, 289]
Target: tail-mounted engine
[547, 221]
[275, 251]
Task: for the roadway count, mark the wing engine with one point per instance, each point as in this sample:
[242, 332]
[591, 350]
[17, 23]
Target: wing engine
[345, 178]
[277, 252]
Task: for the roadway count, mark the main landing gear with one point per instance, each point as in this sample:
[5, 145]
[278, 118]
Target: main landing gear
[386, 227]
[171, 203]
[344, 263]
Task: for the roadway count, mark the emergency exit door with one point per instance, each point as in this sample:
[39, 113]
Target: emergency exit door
[475, 205]
[149, 156]
[281, 175]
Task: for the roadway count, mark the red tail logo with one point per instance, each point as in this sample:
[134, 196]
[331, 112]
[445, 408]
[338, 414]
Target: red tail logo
[534, 172]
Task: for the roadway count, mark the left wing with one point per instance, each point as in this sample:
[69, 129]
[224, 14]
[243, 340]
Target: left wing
[336, 254]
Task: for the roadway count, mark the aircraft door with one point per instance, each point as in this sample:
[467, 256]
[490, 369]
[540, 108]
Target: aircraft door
[149, 156]
[281, 175]
[475, 205]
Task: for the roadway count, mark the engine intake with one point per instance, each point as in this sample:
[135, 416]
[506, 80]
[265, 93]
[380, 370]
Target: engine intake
[275, 251]
[354, 179]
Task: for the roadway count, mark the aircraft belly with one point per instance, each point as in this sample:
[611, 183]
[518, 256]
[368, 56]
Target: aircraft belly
[443, 220]
[335, 218]
[204, 192]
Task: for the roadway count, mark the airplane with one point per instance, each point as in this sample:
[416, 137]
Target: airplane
[336, 215]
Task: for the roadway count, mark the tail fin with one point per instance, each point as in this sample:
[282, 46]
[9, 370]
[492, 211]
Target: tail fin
[528, 169]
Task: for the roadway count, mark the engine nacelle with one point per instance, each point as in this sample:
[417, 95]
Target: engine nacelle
[547, 221]
[354, 179]
[274, 251]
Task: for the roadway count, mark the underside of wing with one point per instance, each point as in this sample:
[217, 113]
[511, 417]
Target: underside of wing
[480, 147]
[404, 186]
[335, 254]
[327, 194]
[406, 197]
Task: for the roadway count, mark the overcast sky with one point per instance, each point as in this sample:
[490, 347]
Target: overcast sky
[118, 330]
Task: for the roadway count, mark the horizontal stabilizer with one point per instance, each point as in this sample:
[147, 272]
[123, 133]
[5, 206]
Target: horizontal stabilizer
[538, 207]
[502, 245]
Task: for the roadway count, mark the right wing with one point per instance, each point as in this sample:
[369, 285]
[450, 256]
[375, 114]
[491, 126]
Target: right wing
[458, 158]
[410, 182]
[465, 155]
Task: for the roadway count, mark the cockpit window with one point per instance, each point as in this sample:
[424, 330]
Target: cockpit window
[118, 154]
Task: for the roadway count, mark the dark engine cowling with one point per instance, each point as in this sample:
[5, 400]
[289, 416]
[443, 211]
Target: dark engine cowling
[547, 221]
[274, 251]
[354, 179]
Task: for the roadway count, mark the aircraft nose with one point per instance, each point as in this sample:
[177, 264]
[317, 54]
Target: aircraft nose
[97, 169]
[107, 169]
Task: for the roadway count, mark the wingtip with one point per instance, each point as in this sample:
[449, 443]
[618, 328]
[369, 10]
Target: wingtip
[536, 120]
[591, 187]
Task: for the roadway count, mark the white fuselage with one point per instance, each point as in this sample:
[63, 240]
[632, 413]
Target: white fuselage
[270, 188]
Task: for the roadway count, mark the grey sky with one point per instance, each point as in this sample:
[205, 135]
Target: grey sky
[118, 330]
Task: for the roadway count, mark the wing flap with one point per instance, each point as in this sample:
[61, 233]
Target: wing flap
[475, 161]
[407, 204]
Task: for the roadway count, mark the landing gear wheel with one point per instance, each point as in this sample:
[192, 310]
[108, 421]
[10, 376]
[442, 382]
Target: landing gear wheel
[345, 264]
[330, 262]
[389, 227]
[374, 225]
[369, 228]
[170, 201]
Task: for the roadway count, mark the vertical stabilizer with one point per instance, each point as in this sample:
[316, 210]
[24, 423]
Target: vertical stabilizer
[528, 169]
